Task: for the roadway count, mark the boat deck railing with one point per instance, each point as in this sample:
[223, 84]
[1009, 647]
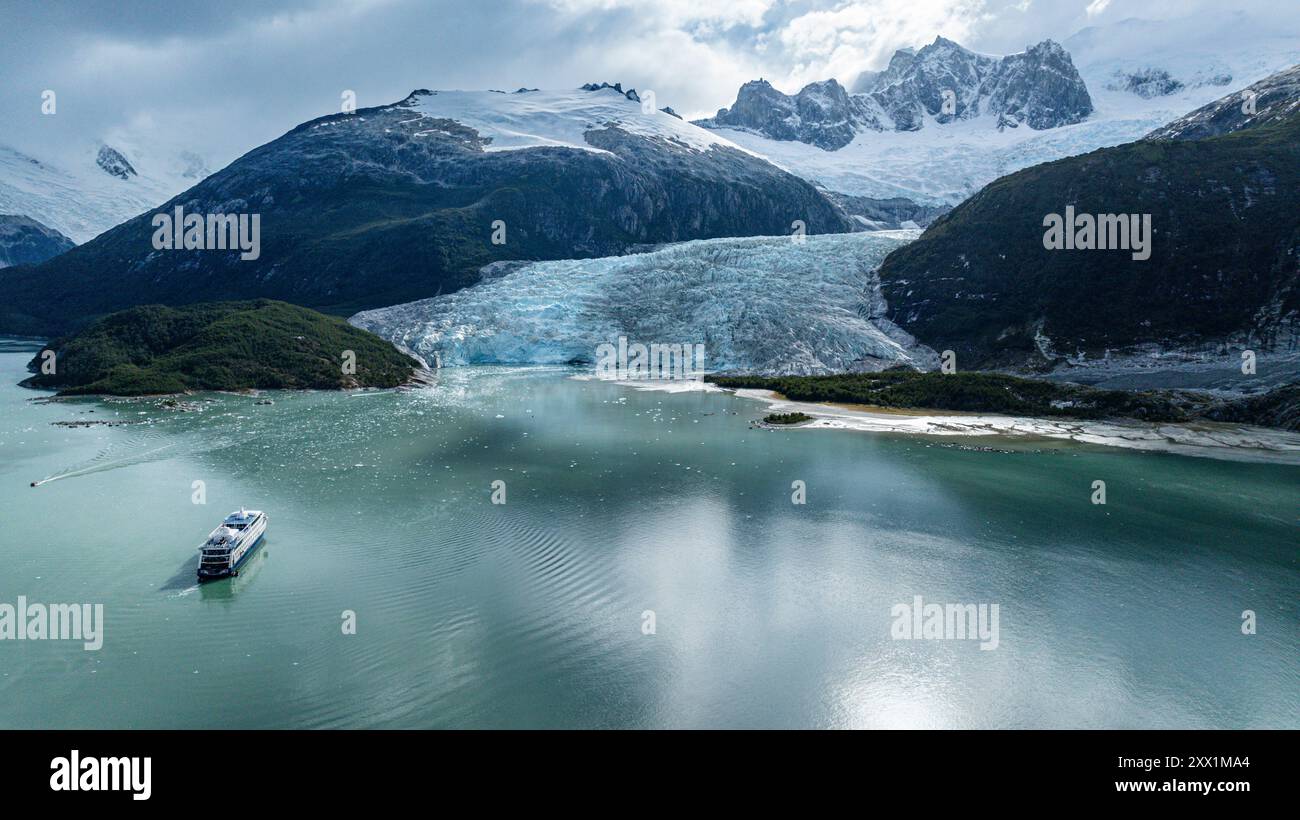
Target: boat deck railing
[219, 554]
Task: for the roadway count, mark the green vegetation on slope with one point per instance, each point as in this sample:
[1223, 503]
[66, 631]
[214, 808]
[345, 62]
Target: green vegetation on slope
[259, 344]
[384, 207]
[1225, 253]
[1012, 395]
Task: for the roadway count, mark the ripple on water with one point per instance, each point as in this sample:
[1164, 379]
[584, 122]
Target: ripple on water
[474, 614]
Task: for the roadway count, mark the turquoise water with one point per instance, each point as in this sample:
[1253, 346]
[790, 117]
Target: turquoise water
[530, 614]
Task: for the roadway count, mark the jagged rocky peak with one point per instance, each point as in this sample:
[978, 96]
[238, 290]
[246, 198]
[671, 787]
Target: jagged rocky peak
[821, 114]
[113, 163]
[1146, 82]
[943, 82]
[902, 59]
[1039, 87]
[1272, 99]
[630, 93]
[823, 100]
[1149, 82]
[759, 107]
[412, 99]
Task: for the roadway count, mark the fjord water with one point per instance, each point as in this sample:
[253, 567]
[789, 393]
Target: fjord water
[618, 501]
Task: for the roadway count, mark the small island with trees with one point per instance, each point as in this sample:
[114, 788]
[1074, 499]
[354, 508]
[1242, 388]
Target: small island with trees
[260, 344]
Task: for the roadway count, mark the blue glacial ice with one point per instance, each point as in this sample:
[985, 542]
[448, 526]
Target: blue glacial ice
[771, 305]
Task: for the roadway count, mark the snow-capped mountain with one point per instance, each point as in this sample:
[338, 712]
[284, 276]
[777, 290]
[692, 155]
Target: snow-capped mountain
[1181, 65]
[821, 114]
[532, 118]
[24, 241]
[1143, 74]
[404, 201]
[86, 193]
[1219, 273]
[111, 162]
[1038, 87]
[1152, 58]
[1272, 99]
[761, 304]
[941, 83]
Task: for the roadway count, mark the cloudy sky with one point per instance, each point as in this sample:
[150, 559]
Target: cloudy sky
[222, 77]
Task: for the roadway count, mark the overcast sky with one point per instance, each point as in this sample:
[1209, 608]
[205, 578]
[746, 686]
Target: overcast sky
[223, 77]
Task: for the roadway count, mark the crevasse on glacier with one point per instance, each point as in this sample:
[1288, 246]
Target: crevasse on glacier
[772, 305]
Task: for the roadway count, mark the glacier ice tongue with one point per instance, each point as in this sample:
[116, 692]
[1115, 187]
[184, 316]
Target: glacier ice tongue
[759, 304]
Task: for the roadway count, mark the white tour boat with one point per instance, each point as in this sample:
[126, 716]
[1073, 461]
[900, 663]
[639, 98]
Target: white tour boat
[231, 544]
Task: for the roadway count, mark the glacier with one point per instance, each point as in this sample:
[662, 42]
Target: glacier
[81, 199]
[780, 305]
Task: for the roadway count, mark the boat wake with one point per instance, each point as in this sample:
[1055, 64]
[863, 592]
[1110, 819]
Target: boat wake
[99, 467]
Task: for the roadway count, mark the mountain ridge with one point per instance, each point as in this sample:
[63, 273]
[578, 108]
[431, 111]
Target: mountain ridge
[1222, 272]
[24, 240]
[398, 202]
[941, 82]
[1273, 99]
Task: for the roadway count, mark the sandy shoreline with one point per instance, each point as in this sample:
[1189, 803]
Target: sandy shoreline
[1235, 442]
[1209, 440]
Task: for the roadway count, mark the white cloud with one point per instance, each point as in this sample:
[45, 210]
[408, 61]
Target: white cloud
[678, 14]
[222, 83]
[842, 42]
